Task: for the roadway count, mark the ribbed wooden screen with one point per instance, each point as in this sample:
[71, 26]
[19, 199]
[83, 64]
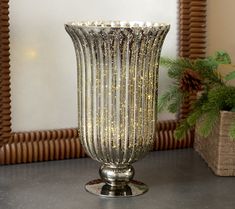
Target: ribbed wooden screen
[5, 111]
[61, 144]
[192, 38]
[192, 28]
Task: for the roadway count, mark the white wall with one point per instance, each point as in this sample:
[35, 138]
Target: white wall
[43, 67]
[221, 27]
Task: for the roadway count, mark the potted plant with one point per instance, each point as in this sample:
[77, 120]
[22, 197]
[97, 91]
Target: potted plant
[213, 110]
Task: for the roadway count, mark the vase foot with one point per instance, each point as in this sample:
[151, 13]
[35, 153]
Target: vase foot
[100, 188]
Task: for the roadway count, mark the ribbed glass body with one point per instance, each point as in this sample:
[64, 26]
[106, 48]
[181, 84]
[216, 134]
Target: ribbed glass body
[117, 65]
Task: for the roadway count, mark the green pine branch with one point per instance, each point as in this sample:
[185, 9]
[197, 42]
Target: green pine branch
[181, 130]
[176, 67]
[171, 96]
[217, 94]
[207, 122]
[232, 131]
[222, 57]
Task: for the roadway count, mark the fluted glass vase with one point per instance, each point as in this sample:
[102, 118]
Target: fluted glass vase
[117, 71]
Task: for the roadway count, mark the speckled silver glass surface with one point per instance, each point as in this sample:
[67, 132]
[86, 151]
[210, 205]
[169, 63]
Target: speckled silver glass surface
[117, 65]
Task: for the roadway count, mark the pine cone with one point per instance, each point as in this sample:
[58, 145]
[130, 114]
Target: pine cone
[190, 81]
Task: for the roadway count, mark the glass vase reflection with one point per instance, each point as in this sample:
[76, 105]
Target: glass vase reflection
[117, 71]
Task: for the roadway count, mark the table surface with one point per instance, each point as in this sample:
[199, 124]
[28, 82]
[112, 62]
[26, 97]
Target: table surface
[177, 179]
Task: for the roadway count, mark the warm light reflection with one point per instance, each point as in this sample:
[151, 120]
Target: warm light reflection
[31, 53]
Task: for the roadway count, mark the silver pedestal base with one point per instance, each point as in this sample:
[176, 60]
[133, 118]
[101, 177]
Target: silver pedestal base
[133, 188]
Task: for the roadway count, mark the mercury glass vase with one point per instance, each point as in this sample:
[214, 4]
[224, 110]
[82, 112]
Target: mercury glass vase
[117, 71]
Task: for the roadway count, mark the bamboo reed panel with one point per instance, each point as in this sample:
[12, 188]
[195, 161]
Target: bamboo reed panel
[52, 144]
[5, 107]
[28, 147]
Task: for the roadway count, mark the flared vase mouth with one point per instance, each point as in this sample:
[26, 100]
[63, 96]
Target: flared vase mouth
[117, 24]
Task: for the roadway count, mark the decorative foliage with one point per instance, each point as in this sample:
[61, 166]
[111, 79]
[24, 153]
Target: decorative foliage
[171, 99]
[213, 92]
[222, 57]
[190, 81]
[230, 76]
[232, 130]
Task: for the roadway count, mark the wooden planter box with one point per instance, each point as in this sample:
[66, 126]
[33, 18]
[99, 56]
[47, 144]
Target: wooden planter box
[218, 150]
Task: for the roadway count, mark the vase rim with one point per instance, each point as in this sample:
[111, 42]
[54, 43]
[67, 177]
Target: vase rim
[117, 24]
